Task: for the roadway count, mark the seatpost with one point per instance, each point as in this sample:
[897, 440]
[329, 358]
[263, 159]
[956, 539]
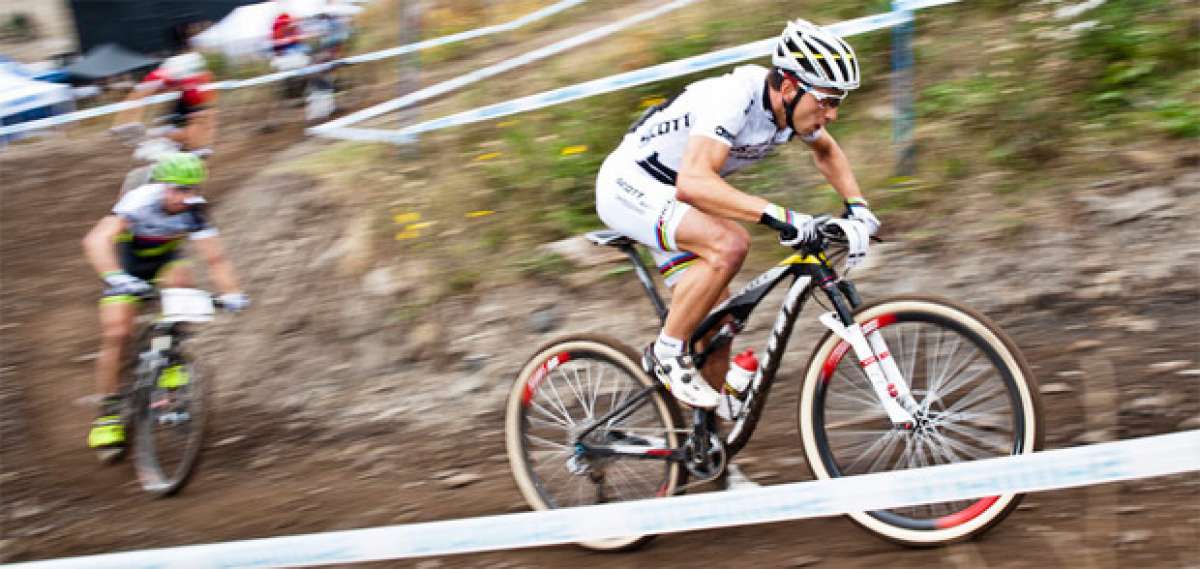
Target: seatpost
[643, 275]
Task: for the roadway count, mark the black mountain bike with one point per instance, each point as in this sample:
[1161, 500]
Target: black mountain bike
[903, 382]
[165, 399]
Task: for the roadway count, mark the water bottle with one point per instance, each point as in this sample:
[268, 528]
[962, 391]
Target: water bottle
[737, 381]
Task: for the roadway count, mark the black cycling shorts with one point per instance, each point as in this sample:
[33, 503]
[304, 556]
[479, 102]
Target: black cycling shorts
[144, 267]
[179, 115]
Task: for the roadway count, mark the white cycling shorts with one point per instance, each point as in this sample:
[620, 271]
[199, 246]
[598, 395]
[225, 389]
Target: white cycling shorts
[639, 204]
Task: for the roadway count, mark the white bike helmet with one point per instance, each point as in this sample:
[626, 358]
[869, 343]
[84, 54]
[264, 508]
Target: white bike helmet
[182, 66]
[817, 56]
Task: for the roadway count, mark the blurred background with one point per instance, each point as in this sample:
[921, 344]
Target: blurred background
[1047, 173]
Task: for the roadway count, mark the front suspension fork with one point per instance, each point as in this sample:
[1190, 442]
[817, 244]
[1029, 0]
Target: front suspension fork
[887, 382]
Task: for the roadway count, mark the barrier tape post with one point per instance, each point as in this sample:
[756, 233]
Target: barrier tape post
[1144, 457]
[902, 97]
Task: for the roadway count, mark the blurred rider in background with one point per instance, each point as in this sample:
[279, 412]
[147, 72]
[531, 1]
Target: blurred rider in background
[285, 34]
[136, 245]
[194, 115]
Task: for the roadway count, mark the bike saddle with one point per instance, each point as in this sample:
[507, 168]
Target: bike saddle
[609, 237]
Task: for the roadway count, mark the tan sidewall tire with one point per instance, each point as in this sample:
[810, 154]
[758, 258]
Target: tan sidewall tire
[618, 353]
[1027, 391]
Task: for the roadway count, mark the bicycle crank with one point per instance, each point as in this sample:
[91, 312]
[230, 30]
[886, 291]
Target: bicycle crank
[705, 459]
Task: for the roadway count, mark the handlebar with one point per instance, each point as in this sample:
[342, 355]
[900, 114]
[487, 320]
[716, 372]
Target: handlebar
[828, 231]
[153, 294]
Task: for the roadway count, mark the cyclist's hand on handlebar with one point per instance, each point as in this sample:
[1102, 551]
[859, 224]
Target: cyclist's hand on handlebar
[805, 230]
[234, 301]
[856, 235]
[123, 283]
[858, 210]
[795, 229]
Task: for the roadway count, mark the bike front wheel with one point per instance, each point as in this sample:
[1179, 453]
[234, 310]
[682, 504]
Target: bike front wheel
[171, 408]
[977, 400]
[566, 387]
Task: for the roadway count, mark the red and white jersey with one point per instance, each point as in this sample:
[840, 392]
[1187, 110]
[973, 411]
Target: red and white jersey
[186, 73]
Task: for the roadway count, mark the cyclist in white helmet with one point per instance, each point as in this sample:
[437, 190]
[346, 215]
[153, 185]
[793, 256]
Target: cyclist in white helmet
[664, 185]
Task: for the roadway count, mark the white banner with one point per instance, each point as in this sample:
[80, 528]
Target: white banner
[1050, 470]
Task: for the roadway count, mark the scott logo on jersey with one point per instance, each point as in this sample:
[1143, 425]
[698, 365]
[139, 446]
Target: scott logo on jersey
[666, 127]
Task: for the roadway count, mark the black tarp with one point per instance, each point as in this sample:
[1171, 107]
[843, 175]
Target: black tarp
[147, 26]
[108, 60]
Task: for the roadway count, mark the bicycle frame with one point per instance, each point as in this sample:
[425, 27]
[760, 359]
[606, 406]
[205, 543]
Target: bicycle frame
[807, 270]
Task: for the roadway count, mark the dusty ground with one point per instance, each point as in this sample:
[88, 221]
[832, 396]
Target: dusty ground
[310, 470]
[338, 415]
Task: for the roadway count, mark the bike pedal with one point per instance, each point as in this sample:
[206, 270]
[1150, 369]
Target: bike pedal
[174, 418]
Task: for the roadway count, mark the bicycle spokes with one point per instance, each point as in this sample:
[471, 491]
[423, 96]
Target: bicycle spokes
[584, 403]
[965, 410]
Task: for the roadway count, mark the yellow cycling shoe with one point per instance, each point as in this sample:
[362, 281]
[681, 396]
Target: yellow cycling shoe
[108, 431]
[107, 438]
[173, 377]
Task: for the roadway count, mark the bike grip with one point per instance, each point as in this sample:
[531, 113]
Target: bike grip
[786, 232]
[832, 230]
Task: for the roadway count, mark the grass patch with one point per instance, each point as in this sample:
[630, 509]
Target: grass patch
[1003, 88]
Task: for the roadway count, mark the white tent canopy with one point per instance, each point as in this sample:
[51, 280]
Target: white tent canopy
[246, 31]
[18, 94]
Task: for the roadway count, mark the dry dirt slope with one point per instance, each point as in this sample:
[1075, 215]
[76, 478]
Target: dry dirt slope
[339, 414]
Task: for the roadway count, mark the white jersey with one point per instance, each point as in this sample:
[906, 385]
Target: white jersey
[150, 226]
[635, 188]
[732, 109]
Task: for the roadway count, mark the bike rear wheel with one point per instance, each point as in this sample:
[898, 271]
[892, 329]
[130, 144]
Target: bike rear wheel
[170, 418]
[566, 386]
[978, 400]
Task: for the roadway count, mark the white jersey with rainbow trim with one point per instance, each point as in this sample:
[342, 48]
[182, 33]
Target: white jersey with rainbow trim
[733, 109]
[635, 188]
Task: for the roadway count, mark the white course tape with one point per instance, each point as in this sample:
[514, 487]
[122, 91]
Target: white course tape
[1050, 470]
[309, 70]
[400, 50]
[87, 113]
[469, 34]
[479, 74]
[338, 128]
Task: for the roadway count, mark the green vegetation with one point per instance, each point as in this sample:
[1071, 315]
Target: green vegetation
[1128, 68]
[1011, 102]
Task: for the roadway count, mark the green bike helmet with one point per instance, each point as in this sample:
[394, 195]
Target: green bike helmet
[179, 168]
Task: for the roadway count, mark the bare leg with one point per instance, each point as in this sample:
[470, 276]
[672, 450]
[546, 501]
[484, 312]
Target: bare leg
[116, 325]
[721, 246]
[718, 362]
[176, 274]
